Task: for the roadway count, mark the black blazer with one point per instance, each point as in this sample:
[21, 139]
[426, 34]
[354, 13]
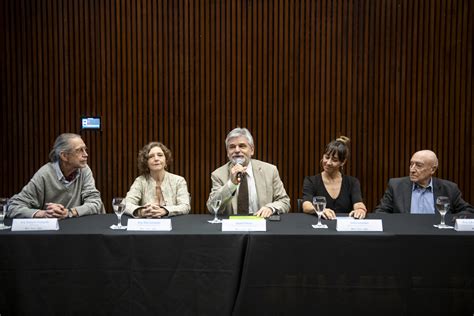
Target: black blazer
[397, 197]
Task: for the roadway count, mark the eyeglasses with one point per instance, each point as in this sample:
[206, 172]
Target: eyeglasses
[416, 165]
[78, 151]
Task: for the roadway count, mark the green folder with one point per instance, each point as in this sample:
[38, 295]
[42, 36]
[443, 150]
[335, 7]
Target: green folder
[245, 217]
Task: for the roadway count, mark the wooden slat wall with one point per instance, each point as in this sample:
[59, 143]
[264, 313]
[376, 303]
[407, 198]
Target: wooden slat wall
[393, 75]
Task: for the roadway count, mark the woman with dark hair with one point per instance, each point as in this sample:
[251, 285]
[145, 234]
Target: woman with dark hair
[156, 192]
[342, 192]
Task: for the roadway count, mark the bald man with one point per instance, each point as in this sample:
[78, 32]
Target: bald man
[417, 193]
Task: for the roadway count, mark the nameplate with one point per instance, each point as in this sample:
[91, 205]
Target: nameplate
[151, 224]
[244, 225]
[464, 224]
[34, 224]
[359, 225]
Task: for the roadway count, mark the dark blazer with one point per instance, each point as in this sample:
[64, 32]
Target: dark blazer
[397, 197]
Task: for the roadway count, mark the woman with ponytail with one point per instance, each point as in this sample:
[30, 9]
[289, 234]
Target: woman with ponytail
[342, 192]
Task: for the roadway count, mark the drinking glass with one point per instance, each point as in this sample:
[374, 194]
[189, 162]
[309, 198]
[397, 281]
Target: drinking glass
[3, 213]
[442, 205]
[319, 203]
[215, 203]
[119, 207]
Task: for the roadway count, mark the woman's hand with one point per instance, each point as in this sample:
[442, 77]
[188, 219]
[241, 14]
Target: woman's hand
[152, 210]
[329, 214]
[358, 213]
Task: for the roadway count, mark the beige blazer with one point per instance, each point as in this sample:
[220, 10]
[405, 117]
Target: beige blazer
[174, 190]
[270, 189]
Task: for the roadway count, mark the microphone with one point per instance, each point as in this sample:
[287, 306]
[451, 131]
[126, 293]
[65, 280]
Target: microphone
[239, 161]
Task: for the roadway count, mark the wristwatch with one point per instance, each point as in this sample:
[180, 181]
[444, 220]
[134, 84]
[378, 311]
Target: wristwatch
[72, 213]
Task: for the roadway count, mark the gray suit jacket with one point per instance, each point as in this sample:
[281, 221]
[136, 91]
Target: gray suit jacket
[397, 197]
[270, 189]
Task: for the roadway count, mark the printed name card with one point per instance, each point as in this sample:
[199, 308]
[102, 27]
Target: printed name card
[359, 225]
[244, 225]
[34, 224]
[464, 224]
[151, 224]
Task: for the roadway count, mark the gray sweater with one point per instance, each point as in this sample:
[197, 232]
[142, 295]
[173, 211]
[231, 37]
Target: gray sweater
[45, 187]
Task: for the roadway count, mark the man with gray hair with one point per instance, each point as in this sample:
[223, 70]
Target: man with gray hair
[246, 185]
[62, 188]
[417, 193]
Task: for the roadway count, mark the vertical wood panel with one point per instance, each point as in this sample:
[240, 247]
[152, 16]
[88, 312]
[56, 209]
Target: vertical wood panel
[393, 75]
